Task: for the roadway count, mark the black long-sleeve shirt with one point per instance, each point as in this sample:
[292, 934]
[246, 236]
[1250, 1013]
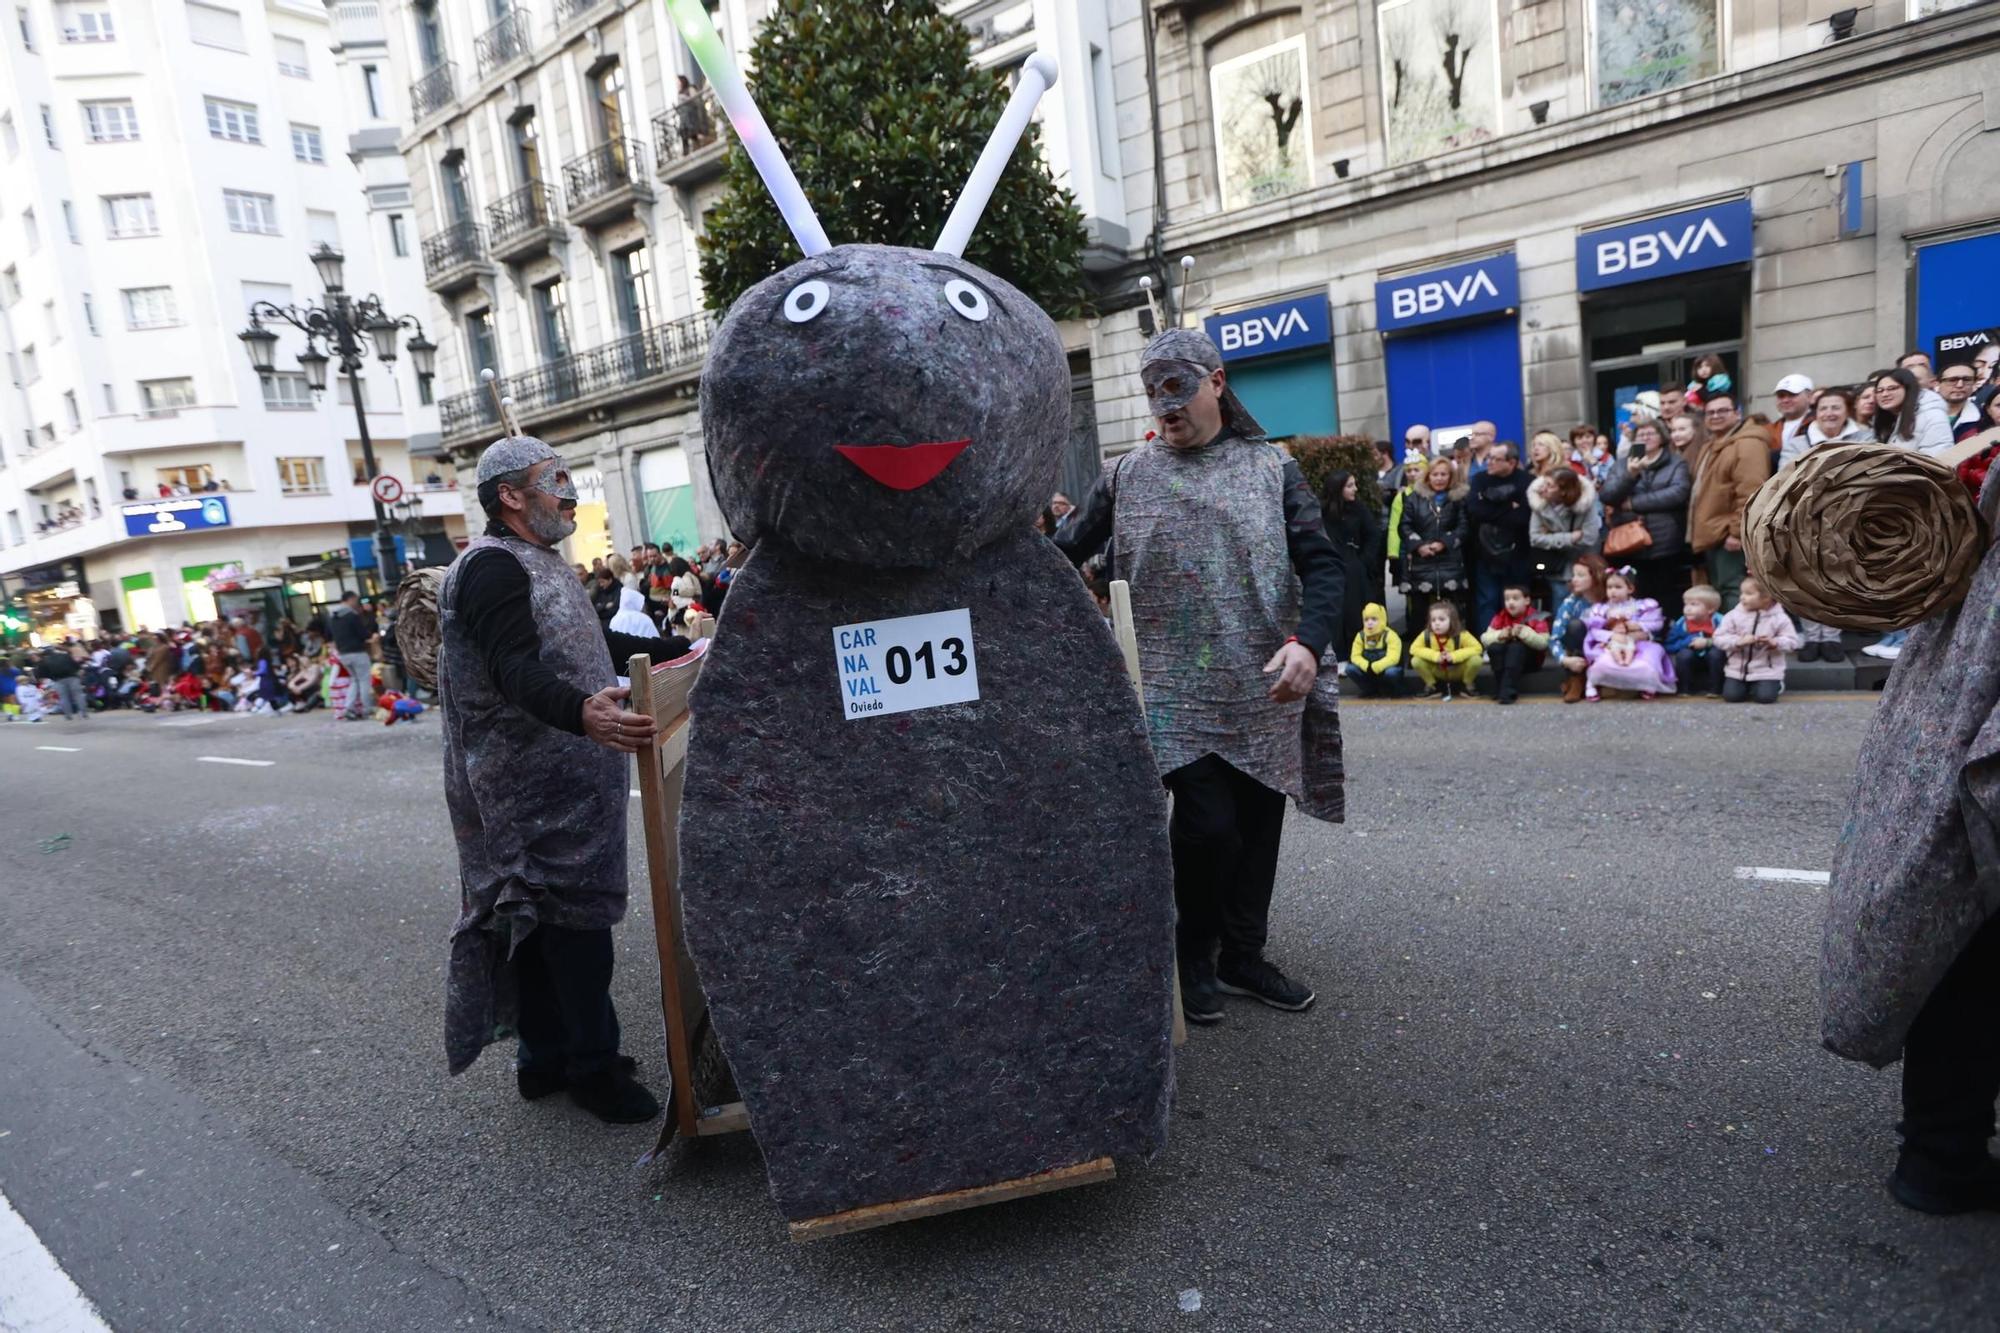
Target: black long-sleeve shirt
[493, 597]
[1322, 575]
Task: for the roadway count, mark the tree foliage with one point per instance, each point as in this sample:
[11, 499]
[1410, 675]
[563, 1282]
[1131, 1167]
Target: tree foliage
[1321, 455]
[882, 113]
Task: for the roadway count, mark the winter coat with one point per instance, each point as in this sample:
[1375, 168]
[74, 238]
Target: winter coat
[1423, 522]
[1426, 648]
[1572, 610]
[1534, 629]
[1385, 652]
[1680, 638]
[1659, 496]
[1811, 438]
[1751, 664]
[1498, 508]
[1931, 433]
[1356, 534]
[1912, 877]
[1550, 524]
[1729, 473]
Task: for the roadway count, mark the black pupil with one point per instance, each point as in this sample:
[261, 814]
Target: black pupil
[963, 296]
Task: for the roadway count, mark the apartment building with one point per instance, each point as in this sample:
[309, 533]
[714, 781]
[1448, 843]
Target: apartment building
[162, 167]
[561, 156]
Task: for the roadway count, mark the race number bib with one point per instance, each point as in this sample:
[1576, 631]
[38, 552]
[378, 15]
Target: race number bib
[900, 665]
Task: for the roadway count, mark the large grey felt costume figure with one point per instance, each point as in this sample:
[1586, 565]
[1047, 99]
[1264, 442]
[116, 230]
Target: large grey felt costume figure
[937, 943]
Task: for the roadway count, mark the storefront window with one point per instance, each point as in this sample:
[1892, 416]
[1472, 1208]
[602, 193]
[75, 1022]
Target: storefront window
[1641, 49]
[1263, 125]
[1440, 75]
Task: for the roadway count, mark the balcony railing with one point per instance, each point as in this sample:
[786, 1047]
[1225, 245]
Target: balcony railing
[529, 209]
[614, 165]
[455, 247]
[569, 9]
[627, 363]
[434, 91]
[509, 39]
[691, 124]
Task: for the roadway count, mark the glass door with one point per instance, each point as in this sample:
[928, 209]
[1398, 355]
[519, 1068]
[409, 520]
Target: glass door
[1642, 337]
[528, 150]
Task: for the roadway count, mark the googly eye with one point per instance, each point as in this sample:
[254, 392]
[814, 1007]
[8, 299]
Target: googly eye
[807, 300]
[966, 299]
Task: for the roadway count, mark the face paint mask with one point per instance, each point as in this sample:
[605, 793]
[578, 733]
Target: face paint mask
[1170, 385]
[556, 482]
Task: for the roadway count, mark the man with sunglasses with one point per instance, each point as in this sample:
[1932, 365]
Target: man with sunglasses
[536, 735]
[1236, 594]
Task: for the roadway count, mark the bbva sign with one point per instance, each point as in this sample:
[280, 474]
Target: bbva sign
[1479, 287]
[1280, 326]
[1662, 247]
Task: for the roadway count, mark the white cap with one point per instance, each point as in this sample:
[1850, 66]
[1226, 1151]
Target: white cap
[1795, 384]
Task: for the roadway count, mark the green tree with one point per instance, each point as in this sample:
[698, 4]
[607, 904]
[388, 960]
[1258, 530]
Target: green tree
[1320, 455]
[882, 113]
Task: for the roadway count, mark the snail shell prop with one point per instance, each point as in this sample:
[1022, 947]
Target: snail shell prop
[1865, 537]
[417, 635]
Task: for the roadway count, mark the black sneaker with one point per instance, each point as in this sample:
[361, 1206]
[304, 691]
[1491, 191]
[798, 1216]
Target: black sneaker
[614, 1097]
[1808, 652]
[1199, 1001]
[536, 1084]
[1260, 979]
[1922, 1183]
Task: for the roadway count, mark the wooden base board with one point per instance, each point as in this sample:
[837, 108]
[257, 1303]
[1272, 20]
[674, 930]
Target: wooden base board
[882, 1214]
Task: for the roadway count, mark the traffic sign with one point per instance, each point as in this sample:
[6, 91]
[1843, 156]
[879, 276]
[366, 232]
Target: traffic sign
[386, 489]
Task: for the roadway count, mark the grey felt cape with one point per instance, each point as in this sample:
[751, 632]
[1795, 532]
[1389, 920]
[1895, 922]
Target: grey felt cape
[1917, 872]
[538, 814]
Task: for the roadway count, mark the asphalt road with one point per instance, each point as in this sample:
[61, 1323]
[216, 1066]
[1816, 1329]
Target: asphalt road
[1563, 1074]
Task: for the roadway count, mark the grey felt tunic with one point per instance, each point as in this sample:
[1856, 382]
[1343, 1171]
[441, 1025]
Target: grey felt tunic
[937, 944]
[538, 813]
[1917, 872]
[1201, 540]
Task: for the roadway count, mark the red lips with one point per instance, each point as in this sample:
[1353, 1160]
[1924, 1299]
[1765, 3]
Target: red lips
[902, 467]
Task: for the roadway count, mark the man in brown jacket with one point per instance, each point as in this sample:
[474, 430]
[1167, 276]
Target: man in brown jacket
[1736, 462]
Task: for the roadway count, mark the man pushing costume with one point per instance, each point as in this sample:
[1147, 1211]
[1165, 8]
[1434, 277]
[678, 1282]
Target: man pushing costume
[1236, 592]
[535, 777]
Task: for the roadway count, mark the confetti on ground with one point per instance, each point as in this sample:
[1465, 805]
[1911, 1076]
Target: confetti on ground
[1190, 1300]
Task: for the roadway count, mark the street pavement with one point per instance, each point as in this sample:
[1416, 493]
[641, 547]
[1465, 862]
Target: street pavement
[1564, 1072]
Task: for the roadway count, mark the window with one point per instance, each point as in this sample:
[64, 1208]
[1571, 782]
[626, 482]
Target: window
[14, 534]
[607, 92]
[287, 391]
[164, 397]
[371, 85]
[479, 347]
[69, 223]
[90, 496]
[31, 229]
[291, 57]
[90, 314]
[190, 478]
[150, 308]
[112, 121]
[14, 375]
[234, 121]
[399, 235]
[128, 215]
[1263, 124]
[550, 325]
[1648, 49]
[430, 37]
[49, 322]
[86, 23]
[48, 126]
[210, 25]
[457, 190]
[7, 135]
[31, 364]
[10, 283]
[631, 275]
[254, 213]
[322, 228]
[27, 29]
[527, 148]
[306, 145]
[110, 398]
[1440, 74]
[276, 293]
[375, 400]
[47, 435]
[72, 411]
[424, 392]
[302, 476]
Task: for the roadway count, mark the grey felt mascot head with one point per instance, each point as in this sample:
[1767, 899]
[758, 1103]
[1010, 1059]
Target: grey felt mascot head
[877, 404]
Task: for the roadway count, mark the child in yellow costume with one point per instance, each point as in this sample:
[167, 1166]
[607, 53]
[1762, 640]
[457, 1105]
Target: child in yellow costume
[1444, 655]
[1375, 663]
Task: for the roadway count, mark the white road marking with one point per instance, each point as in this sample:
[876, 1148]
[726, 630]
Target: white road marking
[37, 1293]
[247, 763]
[196, 722]
[1783, 876]
[635, 790]
[59, 749]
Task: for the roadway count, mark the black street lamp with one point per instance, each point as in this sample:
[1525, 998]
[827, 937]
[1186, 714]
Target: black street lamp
[345, 327]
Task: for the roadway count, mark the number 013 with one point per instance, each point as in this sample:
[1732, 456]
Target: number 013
[901, 663]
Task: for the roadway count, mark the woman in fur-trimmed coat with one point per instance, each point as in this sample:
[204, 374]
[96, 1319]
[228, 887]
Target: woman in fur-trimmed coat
[1910, 961]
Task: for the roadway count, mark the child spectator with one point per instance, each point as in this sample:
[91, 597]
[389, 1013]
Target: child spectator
[1375, 663]
[1756, 636]
[28, 696]
[1515, 641]
[1444, 655]
[1691, 640]
[1620, 646]
[1566, 633]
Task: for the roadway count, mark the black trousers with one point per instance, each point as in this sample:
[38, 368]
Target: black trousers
[567, 1023]
[1225, 840]
[1511, 661]
[1951, 1059]
[1700, 669]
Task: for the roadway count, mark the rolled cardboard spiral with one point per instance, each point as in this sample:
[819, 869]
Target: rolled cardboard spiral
[418, 636]
[1864, 537]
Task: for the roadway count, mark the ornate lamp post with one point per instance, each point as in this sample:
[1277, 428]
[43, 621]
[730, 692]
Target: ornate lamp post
[345, 326]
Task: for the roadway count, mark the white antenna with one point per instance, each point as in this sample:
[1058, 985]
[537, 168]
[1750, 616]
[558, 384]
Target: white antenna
[1187, 277]
[505, 406]
[1036, 78]
[709, 52]
[1153, 304]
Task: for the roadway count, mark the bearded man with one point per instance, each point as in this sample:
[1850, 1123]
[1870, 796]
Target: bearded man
[536, 736]
[1236, 596]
